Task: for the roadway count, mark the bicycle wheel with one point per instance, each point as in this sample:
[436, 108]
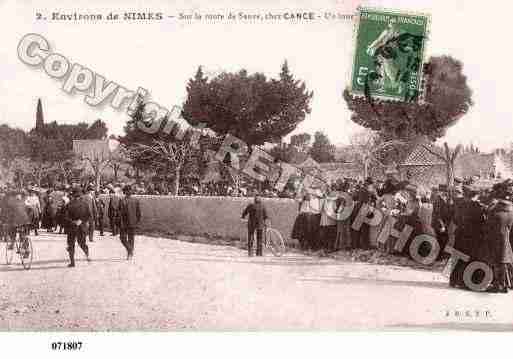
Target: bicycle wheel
[26, 252]
[9, 253]
[243, 237]
[274, 241]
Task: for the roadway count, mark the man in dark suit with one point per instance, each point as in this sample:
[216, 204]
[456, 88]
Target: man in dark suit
[256, 222]
[130, 216]
[469, 219]
[498, 228]
[78, 215]
[113, 211]
[100, 212]
[91, 202]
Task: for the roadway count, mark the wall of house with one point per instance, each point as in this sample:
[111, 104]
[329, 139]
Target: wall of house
[210, 216]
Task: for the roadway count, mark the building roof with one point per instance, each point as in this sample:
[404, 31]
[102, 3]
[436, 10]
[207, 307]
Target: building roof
[420, 156]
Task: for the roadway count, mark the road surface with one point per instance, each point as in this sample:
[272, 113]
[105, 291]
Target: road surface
[177, 285]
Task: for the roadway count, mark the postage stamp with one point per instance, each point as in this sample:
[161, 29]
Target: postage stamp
[389, 54]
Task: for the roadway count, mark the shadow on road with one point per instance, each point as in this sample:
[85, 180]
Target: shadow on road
[35, 265]
[378, 281]
[266, 261]
[21, 269]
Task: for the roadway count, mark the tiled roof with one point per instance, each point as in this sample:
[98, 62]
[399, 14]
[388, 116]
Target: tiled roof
[420, 156]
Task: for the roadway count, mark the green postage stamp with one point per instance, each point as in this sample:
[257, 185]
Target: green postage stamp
[389, 54]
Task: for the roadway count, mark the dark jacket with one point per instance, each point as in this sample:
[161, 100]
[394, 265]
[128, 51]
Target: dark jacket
[15, 212]
[78, 209]
[470, 235]
[257, 215]
[91, 203]
[113, 210]
[100, 206]
[389, 187]
[441, 214]
[130, 212]
[498, 228]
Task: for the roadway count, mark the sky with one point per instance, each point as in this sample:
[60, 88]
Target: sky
[161, 56]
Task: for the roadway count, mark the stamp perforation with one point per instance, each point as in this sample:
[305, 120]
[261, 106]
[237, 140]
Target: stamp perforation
[421, 75]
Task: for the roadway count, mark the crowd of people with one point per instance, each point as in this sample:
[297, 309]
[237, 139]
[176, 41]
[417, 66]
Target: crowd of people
[472, 220]
[75, 211]
[475, 221]
[195, 188]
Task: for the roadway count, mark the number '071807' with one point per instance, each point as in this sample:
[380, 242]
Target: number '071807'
[66, 345]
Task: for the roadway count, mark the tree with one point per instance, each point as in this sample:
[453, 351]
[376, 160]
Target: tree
[447, 99]
[134, 137]
[284, 152]
[40, 121]
[97, 131]
[69, 132]
[45, 154]
[116, 161]
[367, 148]
[98, 161]
[51, 146]
[166, 157]
[448, 157]
[66, 170]
[322, 150]
[13, 144]
[301, 140]
[251, 107]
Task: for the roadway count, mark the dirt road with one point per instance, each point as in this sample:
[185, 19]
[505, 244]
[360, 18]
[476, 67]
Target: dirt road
[175, 285]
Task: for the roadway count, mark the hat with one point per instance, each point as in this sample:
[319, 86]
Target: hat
[75, 192]
[458, 180]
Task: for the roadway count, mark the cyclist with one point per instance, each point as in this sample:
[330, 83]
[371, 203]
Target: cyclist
[257, 222]
[16, 217]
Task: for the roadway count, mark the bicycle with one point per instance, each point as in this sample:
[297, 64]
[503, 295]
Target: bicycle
[273, 240]
[22, 245]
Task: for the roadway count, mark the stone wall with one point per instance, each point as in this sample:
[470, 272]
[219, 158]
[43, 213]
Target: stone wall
[209, 216]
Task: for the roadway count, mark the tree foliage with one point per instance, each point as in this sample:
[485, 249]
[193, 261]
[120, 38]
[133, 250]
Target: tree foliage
[301, 140]
[322, 150]
[13, 144]
[64, 134]
[447, 98]
[251, 107]
[44, 150]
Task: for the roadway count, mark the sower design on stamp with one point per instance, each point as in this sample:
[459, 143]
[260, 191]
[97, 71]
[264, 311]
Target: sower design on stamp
[389, 54]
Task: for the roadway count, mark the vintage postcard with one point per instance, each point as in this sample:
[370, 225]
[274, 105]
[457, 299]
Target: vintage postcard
[292, 166]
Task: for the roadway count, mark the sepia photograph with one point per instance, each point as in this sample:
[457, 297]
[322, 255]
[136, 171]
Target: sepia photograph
[233, 166]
